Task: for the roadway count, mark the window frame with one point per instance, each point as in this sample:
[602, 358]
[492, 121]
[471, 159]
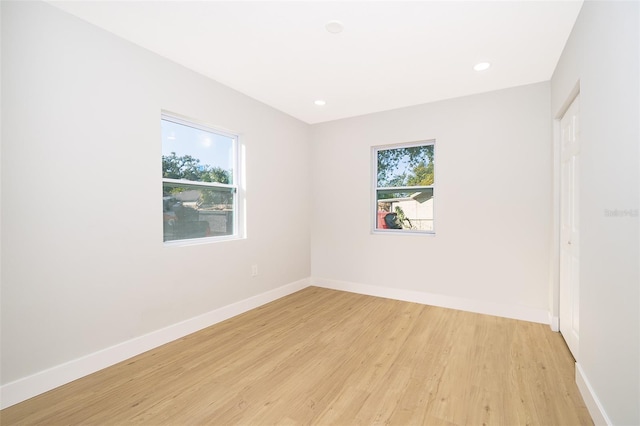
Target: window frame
[235, 188]
[375, 188]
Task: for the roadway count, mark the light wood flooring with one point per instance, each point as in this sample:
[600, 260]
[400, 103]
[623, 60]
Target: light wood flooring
[326, 357]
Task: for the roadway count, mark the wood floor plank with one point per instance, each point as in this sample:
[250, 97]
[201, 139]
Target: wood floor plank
[327, 357]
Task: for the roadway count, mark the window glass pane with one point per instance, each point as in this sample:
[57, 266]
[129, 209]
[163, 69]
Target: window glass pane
[406, 166]
[195, 154]
[191, 211]
[405, 210]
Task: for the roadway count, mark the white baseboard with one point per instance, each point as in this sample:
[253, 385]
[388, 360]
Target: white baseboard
[469, 305]
[598, 415]
[554, 322]
[43, 381]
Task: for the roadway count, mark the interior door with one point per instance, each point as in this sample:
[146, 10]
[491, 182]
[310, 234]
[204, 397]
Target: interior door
[570, 227]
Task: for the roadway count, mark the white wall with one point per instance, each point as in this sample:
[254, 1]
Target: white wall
[492, 201]
[83, 263]
[602, 55]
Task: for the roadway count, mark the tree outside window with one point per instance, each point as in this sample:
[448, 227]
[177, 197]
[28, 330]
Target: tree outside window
[404, 187]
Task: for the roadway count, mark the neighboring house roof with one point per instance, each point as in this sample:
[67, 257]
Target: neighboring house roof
[421, 197]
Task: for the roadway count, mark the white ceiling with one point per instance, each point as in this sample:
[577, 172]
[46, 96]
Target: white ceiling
[391, 54]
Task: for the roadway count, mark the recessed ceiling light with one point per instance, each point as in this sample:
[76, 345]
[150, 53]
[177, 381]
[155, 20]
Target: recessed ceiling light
[334, 27]
[320, 102]
[481, 66]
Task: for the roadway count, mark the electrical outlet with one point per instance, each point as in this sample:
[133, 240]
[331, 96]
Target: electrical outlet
[254, 270]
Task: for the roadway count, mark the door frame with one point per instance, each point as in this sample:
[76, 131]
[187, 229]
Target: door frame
[554, 297]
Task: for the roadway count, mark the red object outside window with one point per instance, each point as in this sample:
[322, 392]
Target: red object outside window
[381, 223]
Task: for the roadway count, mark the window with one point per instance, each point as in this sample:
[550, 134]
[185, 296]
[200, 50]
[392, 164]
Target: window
[404, 187]
[199, 181]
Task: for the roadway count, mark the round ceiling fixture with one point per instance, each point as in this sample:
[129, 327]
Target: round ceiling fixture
[334, 27]
[319, 102]
[481, 66]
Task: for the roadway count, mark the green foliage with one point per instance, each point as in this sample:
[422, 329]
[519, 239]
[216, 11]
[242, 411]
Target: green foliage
[405, 166]
[189, 168]
[421, 175]
[185, 167]
[403, 220]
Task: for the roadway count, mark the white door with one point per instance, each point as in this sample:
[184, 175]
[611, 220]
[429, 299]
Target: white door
[570, 227]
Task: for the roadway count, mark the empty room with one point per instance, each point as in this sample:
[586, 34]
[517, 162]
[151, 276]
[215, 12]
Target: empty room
[305, 212]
